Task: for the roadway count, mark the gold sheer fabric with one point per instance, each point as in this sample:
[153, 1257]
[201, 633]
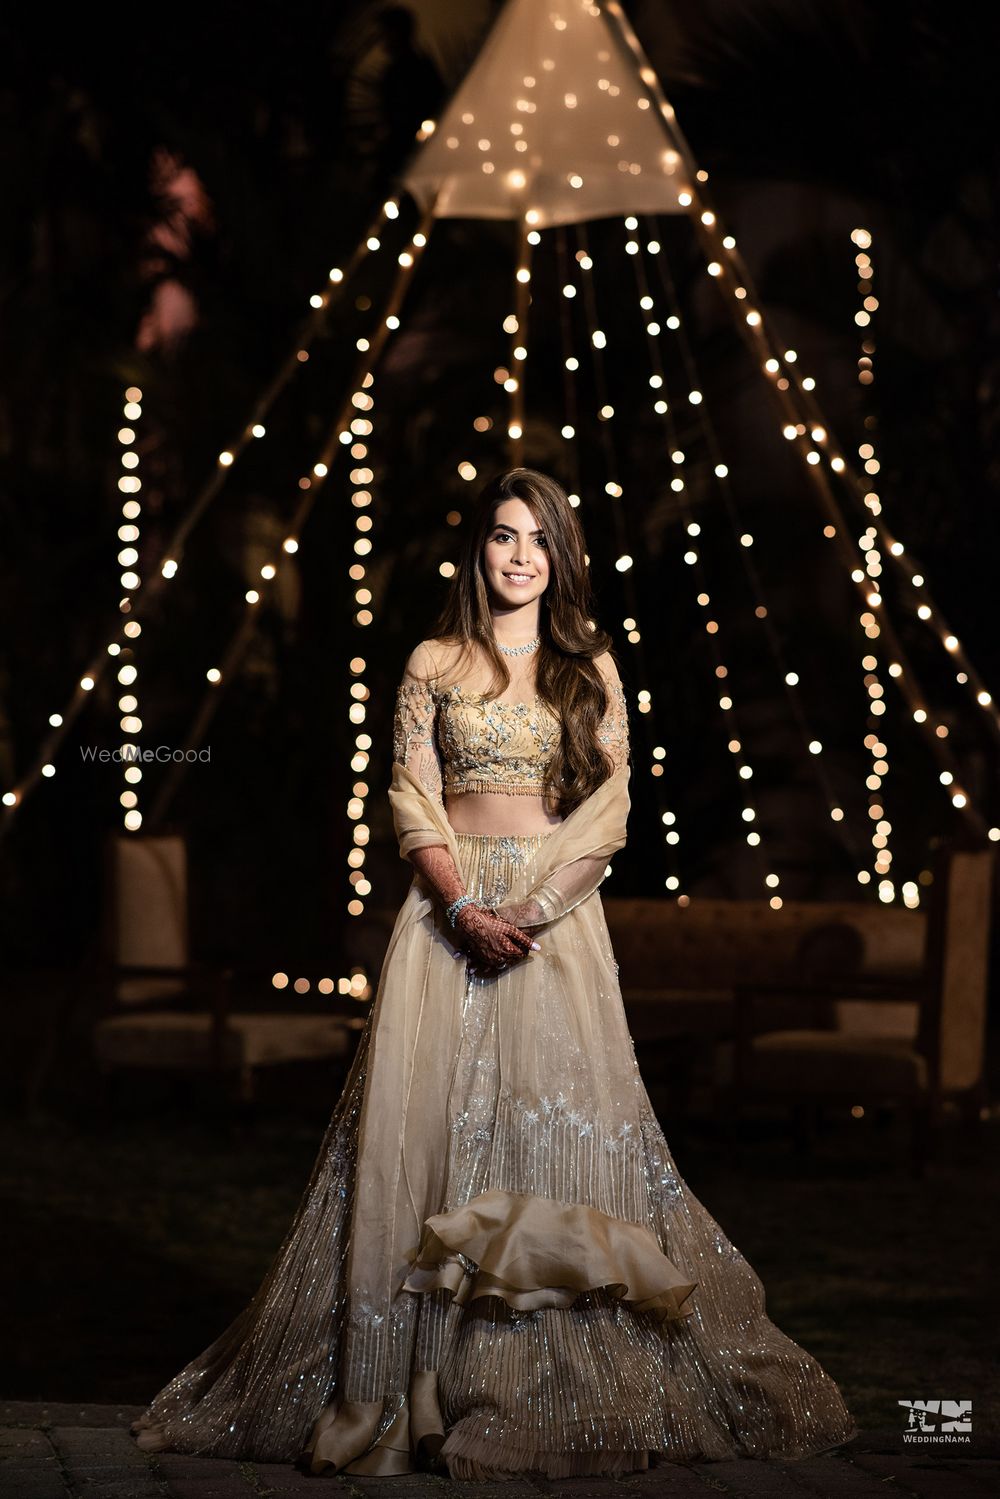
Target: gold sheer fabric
[496, 1260]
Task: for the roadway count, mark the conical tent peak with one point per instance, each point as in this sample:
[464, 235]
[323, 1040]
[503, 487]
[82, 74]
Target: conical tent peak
[554, 123]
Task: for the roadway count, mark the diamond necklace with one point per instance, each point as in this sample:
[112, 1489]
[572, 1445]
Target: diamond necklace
[519, 650]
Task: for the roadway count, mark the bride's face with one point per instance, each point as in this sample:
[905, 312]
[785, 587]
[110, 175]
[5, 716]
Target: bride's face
[515, 556]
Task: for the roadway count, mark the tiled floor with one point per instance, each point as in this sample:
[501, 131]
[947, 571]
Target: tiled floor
[72, 1451]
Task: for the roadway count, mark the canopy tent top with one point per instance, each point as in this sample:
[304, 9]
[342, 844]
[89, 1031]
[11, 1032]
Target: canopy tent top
[553, 124]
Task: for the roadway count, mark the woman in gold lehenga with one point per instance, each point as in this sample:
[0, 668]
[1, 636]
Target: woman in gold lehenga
[496, 1267]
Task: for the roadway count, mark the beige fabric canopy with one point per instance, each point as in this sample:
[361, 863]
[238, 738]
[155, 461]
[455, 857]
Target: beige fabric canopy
[554, 121]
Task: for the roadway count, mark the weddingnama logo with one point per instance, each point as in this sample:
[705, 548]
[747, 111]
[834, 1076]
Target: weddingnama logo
[134, 754]
[938, 1420]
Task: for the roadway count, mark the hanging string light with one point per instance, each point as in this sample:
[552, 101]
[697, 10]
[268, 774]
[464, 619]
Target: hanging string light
[692, 557]
[875, 730]
[570, 365]
[516, 326]
[358, 437]
[362, 480]
[655, 746]
[809, 439]
[130, 484]
[253, 429]
[727, 268]
[356, 403]
[657, 326]
[352, 429]
[862, 485]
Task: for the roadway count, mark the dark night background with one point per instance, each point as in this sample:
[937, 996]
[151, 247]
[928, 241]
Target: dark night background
[811, 120]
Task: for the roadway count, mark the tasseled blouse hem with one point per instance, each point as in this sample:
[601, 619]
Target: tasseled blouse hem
[495, 788]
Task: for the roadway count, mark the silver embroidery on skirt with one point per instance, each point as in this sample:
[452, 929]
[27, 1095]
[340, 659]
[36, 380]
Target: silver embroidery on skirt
[592, 1387]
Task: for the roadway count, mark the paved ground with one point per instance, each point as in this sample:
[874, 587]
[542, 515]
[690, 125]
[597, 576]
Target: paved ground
[70, 1451]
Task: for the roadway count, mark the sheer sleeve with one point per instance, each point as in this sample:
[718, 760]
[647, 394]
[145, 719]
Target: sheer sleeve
[613, 732]
[413, 738]
[567, 886]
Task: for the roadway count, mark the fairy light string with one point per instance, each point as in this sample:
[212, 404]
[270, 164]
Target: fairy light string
[656, 751]
[726, 265]
[352, 429]
[875, 621]
[516, 325]
[794, 391]
[693, 559]
[674, 322]
[875, 728]
[362, 484]
[569, 365]
[308, 484]
[874, 624]
[357, 402]
[861, 487]
[252, 430]
[720, 251]
[358, 436]
[130, 483]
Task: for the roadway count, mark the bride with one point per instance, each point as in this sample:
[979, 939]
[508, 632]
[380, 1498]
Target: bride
[496, 1267]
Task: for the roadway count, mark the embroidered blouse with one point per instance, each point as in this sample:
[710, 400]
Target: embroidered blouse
[457, 741]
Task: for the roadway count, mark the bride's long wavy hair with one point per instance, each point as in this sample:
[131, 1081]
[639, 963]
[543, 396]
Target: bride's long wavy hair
[567, 678]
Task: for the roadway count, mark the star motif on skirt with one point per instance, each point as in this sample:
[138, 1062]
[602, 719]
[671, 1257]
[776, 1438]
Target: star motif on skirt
[509, 847]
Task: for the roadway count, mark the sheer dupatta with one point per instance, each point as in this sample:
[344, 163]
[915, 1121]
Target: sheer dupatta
[574, 859]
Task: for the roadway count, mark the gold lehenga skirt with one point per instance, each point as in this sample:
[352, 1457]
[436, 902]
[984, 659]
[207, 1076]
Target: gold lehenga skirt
[495, 1264]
